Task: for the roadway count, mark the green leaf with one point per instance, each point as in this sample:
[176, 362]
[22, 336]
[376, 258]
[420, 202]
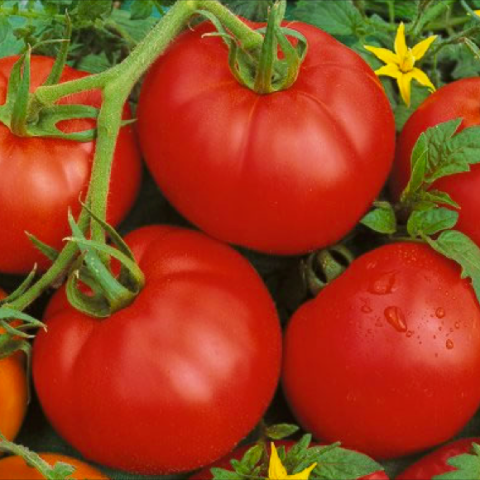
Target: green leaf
[50, 252]
[439, 198]
[93, 9]
[5, 28]
[467, 466]
[381, 219]
[222, 474]
[255, 10]
[459, 248]
[333, 16]
[141, 9]
[252, 456]
[434, 10]
[341, 463]
[282, 430]
[429, 222]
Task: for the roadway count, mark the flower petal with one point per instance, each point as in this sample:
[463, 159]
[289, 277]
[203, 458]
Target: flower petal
[400, 42]
[420, 48]
[477, 12]
[304, 474]
[422, 78]
[404, 84]
[383, 54]
[276, 471]
[390, 70]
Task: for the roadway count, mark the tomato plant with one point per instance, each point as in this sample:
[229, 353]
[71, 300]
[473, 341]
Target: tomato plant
[386, 358]
[435, 463]
[459, 99]
[15, 468]
[41, 178]
[267, 171]
[176, 379]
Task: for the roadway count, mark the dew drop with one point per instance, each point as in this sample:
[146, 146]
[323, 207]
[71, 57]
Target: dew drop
[383, 284]
[449, 344]
[440, 312]
[396, 318]
[457, 325]
[366, 309]
[409, 333]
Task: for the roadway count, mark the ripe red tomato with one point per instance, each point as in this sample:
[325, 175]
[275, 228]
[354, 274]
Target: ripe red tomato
[15, 468]
[277, 173]
[386, 358]
[174, 381]
[238, 453]
[41, 178]
[460, 99]
[435, 463]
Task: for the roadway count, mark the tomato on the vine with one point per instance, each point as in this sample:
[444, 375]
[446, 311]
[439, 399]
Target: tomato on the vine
[386, 358]
[41, 178]
[13, 392]
[284, 173]
[459, 99]
[15, 468]
[175, 380]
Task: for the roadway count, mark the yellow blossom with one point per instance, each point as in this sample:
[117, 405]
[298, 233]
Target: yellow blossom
[400, 64]
[276, 470]
[477, 12]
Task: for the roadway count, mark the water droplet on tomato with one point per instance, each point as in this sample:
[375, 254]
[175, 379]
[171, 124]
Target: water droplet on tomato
[449, 344]
[383, 285]
[440, 312]
[396, 318]
[409, 333]
[366, 309]
[457, 325]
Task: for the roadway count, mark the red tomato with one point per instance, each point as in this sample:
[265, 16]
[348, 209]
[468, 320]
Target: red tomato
[239, 452]
[174, 381]
[435, 463]
[383, 352]
[41, 178]
[460, 99]
[15, 468]
[277, 173]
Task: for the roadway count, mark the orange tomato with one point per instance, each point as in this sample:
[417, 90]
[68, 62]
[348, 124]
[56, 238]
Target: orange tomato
[13, 393]
[15, 468]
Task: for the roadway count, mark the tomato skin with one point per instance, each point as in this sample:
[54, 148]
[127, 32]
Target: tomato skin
[394, 342]
[15, 468]
[435, 463]
[238, 453]
[268, 172]
[41, 178]
[13, 392]
[459, 99]
[174, 381]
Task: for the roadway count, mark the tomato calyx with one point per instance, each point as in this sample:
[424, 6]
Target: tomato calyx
[260, 69]
[322, 267]
[106, 292]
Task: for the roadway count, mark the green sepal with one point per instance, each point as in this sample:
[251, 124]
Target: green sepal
[61, 58]
[20, 104]
[459, 248]
[381, 219]
[48, 251]
[467, 465]
[280, 431]
[7, 313]
[59, 471]
[21, 289]
[324, 266]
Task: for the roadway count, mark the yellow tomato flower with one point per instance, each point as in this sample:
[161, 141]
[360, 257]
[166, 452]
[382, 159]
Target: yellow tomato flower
[477, 12]
[400, 64]
[276, 470]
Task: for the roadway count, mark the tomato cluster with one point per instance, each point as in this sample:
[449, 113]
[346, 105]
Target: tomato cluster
[385, 359]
